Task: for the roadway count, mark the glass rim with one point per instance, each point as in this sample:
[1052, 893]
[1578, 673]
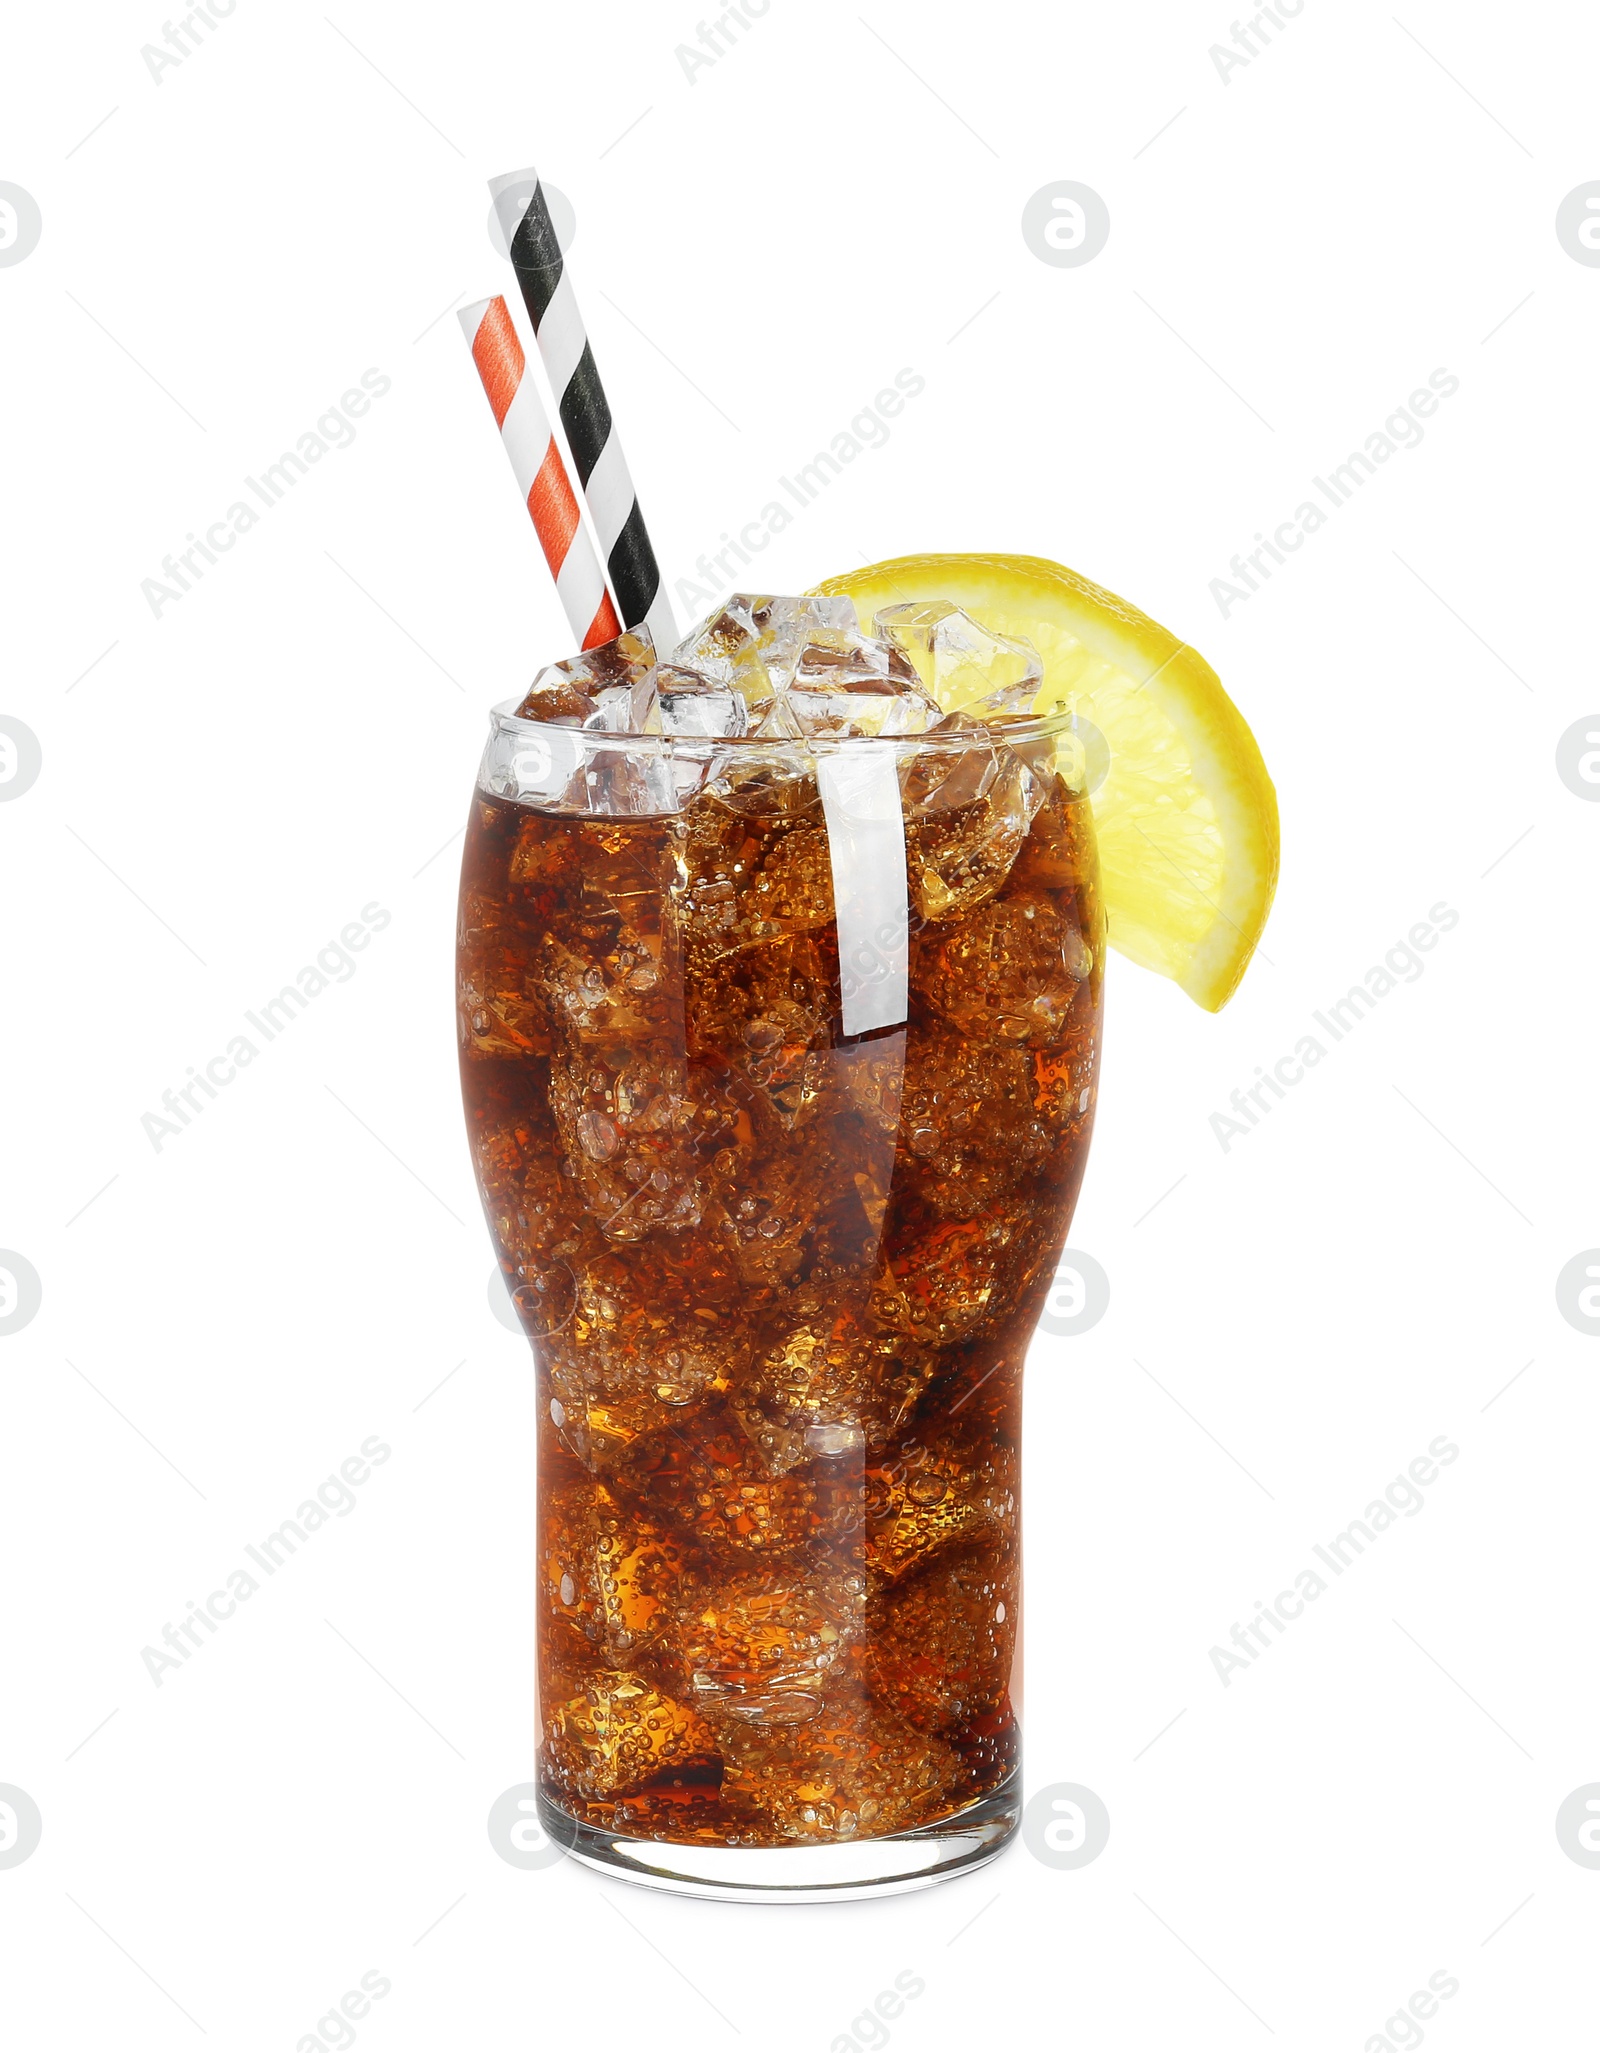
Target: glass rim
[1011, 731]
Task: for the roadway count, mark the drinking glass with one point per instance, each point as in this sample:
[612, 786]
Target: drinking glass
[779, 1061]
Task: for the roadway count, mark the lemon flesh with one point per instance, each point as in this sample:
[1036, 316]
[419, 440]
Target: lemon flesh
[1185, 815]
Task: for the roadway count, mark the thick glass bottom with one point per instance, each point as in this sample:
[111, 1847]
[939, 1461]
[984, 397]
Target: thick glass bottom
[890, 1866]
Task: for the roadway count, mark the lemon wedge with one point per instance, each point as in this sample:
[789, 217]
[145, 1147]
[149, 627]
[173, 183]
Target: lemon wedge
[1185, 813]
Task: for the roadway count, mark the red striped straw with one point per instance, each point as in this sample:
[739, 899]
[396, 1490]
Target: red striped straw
[541, 476]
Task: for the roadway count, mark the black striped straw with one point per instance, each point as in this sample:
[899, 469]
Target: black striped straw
[603, 475]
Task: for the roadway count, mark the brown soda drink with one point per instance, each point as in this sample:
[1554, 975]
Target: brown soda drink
[779, 1280]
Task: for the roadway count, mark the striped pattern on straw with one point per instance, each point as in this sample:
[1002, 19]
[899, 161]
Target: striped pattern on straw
[540, 474]
[581, 400]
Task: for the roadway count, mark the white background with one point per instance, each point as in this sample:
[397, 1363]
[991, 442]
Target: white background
[227, 785]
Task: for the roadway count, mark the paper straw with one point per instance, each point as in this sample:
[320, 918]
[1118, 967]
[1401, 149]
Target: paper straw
[541, 476]
[581, 400]
[859, 783]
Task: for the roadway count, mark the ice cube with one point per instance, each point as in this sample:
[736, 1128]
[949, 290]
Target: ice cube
[501, 1005]
[693, 704]
[844, 684]
[971, 1128]
[766, 786]
[555, 701]
[628, 776]
[710, 648]
[941, 1493]
[1013, 972]
[765, 1209]
[778, 721]
[942, 1644]
[782, 616]
[753, 621]
[968, 809]
[608, 688]
[833, 1379]
[833, 659]
[619, 1734]
[623, 708]
[750, 646]
[728, 914]
[607, 1570]
[854, 1770]
[783, 1054]
[758, 1644]
[953, 1273]
[712, 1484]
[622, 1115]
[964, 665]
[648, 1341]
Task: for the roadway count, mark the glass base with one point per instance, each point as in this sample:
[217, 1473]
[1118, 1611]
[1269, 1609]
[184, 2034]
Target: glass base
[890, 1866]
